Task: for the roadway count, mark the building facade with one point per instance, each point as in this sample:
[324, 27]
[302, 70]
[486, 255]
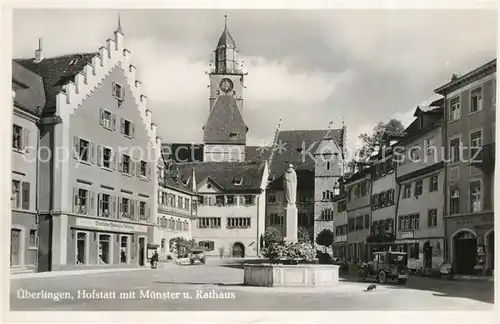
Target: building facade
[420, 176]
[358, 190]
[97, 191]
[470, 110]
[27, 96]
[340, 223]
[383, 203]
[327, 172]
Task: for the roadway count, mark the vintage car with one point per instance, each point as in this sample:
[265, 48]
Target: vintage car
[386, 265]
[197, 254]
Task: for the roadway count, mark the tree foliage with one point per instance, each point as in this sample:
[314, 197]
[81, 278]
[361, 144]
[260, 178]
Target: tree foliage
[393, 128]
[303, 235]
[325, 238]
[181, 246]
[272, 235]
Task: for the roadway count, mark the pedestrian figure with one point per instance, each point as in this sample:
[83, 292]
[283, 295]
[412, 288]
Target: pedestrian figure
[123, 256]
[154, 260]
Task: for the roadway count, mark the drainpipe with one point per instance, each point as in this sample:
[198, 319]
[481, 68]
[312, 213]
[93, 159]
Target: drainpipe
[446, 257]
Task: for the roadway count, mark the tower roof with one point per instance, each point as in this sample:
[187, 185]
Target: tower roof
[225, 123]
[226, 39]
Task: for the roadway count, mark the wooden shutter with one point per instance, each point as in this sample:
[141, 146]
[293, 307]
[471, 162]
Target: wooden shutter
[99, 205]
[91, 209]
[132, 130]
[120, 208]
[25, 140]
[122, 125]
[148, 170]
[132, 166]
[92, 153]
[131, 208]
[75, 199]
[26, 197]
[148, 212]
[113, 121]
[76, 149]
[120, 164]
[138, 168]
[122, 93]
[112, 207]
[99, 155]
[101, 116]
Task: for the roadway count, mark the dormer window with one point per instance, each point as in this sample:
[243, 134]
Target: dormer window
[238, 180]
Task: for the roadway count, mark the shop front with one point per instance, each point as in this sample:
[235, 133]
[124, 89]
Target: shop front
[471, 243]
[96, 243]
[423, 253]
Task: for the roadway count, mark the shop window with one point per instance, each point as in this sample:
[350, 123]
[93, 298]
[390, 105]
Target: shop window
[124, 249]
[207, 245]
[81, 250]
[104, 249]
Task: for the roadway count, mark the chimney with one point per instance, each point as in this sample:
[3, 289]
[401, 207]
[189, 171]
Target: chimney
[38, 52]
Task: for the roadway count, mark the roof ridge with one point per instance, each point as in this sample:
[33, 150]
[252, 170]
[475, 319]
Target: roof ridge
[56, 57]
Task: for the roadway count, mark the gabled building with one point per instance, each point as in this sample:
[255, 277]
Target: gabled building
[328, 168]
[469, 140]
[231, 205]
[28, 97]
[97, 191]
[297, 147]
[358, 188]
[420, 178]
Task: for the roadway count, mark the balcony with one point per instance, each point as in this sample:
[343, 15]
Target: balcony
[485, 159]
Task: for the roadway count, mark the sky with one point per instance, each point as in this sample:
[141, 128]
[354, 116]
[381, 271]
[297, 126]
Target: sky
[308, 67]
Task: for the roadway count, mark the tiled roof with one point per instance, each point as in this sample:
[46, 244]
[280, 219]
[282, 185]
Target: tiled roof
[226, 39]
[182, 152]
[225, 174]
[225, 124]
[292, 143]
[29, 93]
[257, 153]
[56, 72]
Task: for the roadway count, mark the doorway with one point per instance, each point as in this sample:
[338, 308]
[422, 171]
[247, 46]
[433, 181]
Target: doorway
[15, 247]
[238, 250]
[490, 250]
[142, 254]
[427, 255]
[465, 248]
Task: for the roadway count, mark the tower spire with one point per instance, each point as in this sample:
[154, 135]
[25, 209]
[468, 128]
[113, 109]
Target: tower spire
[225, 21]
[119, 28]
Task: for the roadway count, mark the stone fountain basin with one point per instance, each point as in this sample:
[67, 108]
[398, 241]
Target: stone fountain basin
[301, 275]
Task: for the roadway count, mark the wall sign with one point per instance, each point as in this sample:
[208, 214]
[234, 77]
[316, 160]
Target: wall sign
[406, 235]
[106, 225]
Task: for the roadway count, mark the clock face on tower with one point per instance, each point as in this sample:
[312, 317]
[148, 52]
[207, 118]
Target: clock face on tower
[226, 85]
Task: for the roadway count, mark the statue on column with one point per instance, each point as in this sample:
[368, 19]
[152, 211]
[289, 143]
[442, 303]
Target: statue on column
[290, 185]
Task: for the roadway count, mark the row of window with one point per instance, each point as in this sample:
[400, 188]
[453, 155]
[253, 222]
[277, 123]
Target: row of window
[384, 168]
[456, 150]
[360, 189]
[476, 103]
[383, 199]
[358, 223]
[329, 194]
[433, 185]
[173, 225]
[20, 195]
[341, 230]
[232, 222]
[475, 198]
[109, 206]
[327, 214]
[104, 156]
[104, 245]
[20, 137]
[272, 198]
[172, 200]
[304, 220]
[228, 200]
[382, 227]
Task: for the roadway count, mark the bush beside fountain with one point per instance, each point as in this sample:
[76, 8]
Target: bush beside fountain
[290, 264]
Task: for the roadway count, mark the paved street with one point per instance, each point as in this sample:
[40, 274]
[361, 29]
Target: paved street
[166, 290]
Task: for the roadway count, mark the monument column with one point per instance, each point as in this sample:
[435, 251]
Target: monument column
[290, 187]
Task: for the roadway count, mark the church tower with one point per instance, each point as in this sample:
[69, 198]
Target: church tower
[224, 133]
